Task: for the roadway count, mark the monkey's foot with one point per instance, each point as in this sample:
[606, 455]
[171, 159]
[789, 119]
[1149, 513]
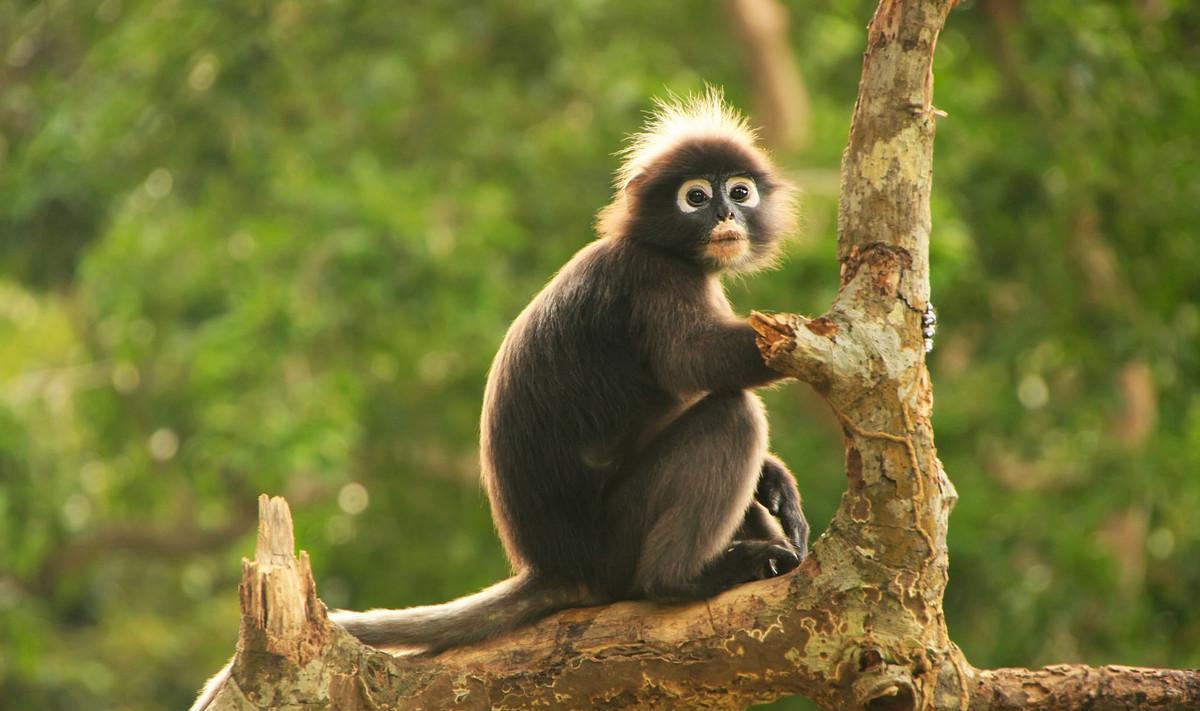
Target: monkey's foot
[742, 562]
[747, 561]
[778, 493]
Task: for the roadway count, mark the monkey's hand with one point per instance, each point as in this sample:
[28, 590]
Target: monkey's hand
[778, 493]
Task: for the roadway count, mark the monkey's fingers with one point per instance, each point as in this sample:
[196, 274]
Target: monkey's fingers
[780, 560]
[769, 494]
[795, 527]
[783, 502]
[775, 485]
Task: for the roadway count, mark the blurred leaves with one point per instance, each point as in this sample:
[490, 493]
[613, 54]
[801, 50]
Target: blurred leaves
[272, 246]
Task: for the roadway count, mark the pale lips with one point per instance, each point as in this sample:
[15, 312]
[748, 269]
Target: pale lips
[727, 233]
[727, 242]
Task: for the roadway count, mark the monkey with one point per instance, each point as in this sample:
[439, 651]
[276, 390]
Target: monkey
[623, 451]
[621, 447]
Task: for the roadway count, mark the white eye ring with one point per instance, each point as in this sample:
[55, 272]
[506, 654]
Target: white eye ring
[751, 199]
[681, 197]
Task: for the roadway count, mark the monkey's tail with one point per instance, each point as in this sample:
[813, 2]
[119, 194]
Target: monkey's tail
[211, 687]
[521, 600]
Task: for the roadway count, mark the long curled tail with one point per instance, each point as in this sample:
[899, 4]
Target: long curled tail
[521, 600]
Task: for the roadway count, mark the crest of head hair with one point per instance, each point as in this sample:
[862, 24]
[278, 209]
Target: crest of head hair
[676, 120]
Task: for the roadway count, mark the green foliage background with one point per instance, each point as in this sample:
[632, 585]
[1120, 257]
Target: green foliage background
[272, 246]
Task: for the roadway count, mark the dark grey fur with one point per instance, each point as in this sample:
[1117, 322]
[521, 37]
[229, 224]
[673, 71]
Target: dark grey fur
[623, 452]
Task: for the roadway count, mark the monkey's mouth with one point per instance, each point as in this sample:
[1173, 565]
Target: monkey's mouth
[727, 244]
[726, 233]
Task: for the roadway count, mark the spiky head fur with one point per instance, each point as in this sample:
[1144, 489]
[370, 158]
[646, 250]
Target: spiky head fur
[688, 138]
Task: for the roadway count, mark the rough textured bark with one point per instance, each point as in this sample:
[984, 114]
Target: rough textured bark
[860, 624]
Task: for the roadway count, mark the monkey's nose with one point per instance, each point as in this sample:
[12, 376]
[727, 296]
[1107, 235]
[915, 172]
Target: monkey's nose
[728, 215]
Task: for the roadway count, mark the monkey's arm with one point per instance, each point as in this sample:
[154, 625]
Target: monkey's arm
[719, 357]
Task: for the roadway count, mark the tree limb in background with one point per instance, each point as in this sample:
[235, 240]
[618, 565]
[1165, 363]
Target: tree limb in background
[780, 99]
[859, 625]
[118, 538]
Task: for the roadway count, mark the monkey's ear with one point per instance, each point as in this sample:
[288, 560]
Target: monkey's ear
[634, 182]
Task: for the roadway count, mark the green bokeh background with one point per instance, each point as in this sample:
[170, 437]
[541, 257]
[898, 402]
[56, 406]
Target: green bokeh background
[272, 246]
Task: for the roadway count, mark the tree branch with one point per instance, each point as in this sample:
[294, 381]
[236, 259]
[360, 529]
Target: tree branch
[1067, 686]
[122, 537]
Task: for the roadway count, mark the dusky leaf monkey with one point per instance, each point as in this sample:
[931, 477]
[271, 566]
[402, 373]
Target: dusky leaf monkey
[623, 452]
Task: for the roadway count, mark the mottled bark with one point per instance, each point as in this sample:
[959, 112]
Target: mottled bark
[860, 623]
[1073, 686]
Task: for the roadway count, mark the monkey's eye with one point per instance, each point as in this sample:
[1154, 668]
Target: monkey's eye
[693, 194]
[742, 191]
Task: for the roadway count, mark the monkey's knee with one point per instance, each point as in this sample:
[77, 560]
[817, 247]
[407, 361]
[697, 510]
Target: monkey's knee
[739, 416]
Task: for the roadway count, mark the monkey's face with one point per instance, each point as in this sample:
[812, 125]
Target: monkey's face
[719, 208]
[711, 202]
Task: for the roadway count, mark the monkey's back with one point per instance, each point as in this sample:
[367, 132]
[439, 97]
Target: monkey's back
[568, 395]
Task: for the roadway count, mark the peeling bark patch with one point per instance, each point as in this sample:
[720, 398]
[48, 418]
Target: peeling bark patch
[818, 622]
[884, 472]
[914, 604]
[898, 699]
[346, 693]
[822, 326]
[796, 654]
[1035, 692]
[854, 465]
[885, 281]
[861, 510]
[885, 261]
[886, 23]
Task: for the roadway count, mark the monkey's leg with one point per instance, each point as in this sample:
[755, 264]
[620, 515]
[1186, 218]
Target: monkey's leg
[759, 525]
[687, 495]
[777, 491]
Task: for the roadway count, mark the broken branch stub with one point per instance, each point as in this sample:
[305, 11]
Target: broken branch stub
[281, 614]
